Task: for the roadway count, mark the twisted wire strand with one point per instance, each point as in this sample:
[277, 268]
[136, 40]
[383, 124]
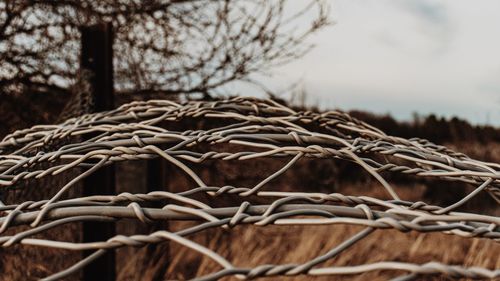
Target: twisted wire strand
[239, 129]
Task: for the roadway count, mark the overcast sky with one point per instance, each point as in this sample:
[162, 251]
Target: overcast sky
[405, 56]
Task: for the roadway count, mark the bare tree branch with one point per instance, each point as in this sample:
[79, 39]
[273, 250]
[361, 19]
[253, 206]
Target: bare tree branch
[176, 46]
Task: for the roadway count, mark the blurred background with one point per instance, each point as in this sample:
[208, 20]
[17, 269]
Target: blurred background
[413, 68]
[407, 60]
[401, 58]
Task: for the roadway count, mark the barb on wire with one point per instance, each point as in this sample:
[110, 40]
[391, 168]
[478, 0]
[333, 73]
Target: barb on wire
[239, 129]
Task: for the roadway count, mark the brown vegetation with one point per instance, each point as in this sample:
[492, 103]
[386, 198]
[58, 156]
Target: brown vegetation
[252, 245]
[232, 42]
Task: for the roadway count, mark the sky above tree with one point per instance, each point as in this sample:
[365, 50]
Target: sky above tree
[401, 57]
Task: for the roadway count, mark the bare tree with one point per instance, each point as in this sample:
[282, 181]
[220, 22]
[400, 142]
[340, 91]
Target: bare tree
[161, 46]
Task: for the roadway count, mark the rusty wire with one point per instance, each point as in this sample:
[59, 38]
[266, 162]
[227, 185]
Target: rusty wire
[254, 129]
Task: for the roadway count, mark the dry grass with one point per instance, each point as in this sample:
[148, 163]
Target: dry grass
[253, 245]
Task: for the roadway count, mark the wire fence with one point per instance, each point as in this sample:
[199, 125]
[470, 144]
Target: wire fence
[239, 129]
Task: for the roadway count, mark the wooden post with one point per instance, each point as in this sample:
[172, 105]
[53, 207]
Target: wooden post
[97, 57]
[159, 253]
[156, 175]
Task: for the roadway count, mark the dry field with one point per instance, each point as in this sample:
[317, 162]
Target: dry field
[253, 245]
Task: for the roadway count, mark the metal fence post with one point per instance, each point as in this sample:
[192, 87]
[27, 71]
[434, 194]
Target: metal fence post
[97, 57]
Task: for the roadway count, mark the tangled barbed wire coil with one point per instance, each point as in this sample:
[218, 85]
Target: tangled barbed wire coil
[239, 129]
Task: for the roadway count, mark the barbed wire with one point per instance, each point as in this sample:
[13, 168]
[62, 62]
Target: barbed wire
[239, 129]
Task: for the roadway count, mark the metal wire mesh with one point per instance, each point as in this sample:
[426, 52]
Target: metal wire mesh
[240, 129]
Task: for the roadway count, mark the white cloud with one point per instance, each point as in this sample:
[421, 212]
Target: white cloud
[401, 56]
